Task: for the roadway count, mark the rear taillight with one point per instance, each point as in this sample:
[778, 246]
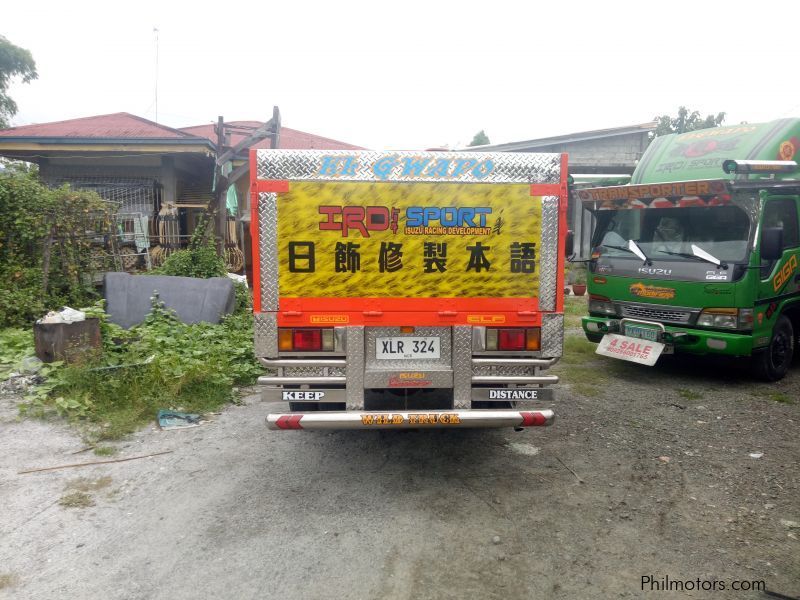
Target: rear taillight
[513, 339]
[305, 339]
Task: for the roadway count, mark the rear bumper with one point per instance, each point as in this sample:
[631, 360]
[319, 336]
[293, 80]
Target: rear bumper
[411, 420]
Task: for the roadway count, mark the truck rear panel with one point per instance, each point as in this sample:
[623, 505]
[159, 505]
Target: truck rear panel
[380, 275]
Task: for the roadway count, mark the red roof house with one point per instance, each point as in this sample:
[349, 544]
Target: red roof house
[144, 165]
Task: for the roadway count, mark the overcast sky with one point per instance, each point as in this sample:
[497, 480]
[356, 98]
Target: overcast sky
[409, 74]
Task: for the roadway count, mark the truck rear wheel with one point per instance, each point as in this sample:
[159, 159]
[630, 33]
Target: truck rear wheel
[772, 363]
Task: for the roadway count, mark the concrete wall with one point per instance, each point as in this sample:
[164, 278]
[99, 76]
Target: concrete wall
[615, 154]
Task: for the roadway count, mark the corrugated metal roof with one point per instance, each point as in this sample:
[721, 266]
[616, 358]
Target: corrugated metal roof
[115, 125]
[290, 138]
[564, 139]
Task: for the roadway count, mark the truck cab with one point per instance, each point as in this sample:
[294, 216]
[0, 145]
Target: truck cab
[699, 253]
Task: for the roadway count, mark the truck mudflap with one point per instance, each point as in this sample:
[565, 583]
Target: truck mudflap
[411, 420]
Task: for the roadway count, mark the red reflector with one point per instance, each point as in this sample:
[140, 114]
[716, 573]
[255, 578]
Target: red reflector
[511, 339]
[530, 419]
[289, 422]
[307, 339]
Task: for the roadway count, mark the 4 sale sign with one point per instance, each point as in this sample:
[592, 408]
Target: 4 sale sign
[631, 349]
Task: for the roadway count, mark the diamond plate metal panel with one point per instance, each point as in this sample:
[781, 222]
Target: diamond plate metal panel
[474, 167]
[355, 368]
[443, 333]
[305, 372]
[268, 249]
[265, 334]
[462, 366]
[314, 371]
[503, 371]
[552, 335]
[548, 265]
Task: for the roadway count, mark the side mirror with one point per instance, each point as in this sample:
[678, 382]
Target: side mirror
[569, 243]
[771, 243]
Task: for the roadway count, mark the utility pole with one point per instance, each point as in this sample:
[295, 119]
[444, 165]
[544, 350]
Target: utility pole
[221, 189]
[155, 30]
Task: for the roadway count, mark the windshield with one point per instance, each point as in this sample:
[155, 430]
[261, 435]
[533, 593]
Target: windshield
[669, 233]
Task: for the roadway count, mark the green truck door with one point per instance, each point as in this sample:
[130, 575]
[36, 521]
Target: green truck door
[779, 280]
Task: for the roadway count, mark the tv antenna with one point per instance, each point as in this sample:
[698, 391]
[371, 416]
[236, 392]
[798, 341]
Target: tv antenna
[155, 31]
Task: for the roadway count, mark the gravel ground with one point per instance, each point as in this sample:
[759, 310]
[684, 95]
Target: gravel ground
[646, 472]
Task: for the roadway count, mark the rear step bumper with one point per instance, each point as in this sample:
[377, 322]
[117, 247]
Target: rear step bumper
[411, 420]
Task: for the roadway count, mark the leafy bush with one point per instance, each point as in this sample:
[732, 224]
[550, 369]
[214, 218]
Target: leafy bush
[15, 344]
[161, 363]
[198, 260]
[30, 214]
[21, 298]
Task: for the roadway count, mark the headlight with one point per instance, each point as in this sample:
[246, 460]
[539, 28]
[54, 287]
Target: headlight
[722, 318]
[599, 304]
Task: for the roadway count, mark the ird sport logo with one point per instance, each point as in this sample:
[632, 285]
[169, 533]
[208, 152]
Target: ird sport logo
[419, 220]
[783, 276]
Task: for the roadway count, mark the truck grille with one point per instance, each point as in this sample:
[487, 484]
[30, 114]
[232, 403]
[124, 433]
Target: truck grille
[651, 313]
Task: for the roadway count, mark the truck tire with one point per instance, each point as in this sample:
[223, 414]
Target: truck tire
[772, 363]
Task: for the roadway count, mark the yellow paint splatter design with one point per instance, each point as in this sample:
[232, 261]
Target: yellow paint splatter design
[515, 217]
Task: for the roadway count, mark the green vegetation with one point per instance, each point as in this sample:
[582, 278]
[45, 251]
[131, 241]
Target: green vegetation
[15, 345]
[689, 394]
[574, 309]
[199, 259]
[14, 62]
[686, 120]
[46, 244]
[780, 397]
[105, 451]
[161, 363]
[480, 139]
[76, 500]
[576, 273]
[583, 380]
[578, 350]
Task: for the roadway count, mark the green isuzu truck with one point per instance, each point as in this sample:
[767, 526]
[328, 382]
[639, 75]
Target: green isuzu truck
[699, 253]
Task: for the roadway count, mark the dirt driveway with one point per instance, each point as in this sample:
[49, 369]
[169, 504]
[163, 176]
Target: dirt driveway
[687, 471]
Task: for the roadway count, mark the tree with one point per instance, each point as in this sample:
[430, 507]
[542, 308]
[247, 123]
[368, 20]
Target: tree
[14, 62]
[480, 139]
[686, 121]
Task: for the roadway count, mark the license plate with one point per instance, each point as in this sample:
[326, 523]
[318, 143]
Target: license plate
[406, 348]
[642, 332]
[644, 352]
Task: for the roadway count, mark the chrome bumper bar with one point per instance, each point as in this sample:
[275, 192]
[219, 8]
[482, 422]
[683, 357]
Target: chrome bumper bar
[302, 362]
[520, 379]
[411, 420]
[514, 362]
[304, 380]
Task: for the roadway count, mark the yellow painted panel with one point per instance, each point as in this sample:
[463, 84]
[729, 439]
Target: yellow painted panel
[423, 240]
